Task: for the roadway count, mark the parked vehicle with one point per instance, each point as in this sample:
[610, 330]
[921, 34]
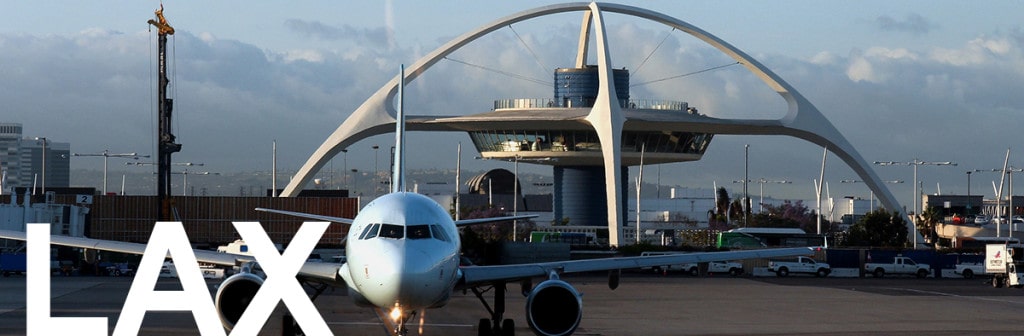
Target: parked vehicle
[800, 265]
[13, 264]
[968, 270]
[899, 265]
[119, 269]
[667, 268]
[733, 268]
[1003, 261]
[981, 220]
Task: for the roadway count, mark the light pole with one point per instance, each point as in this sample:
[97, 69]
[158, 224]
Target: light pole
[355, 181]
[376, 171]
[184, 178]
[106, 155]
[746, 178]
[762, 181]
[345, 168]
[968, 194]
[915, 163]
[187, 164]
[639, 183]
[515, 197]
[1009, 217]
[43, 139]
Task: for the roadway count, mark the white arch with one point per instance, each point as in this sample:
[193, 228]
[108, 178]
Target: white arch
[803, 120]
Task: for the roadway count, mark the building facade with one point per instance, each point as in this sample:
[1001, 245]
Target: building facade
[23, 160]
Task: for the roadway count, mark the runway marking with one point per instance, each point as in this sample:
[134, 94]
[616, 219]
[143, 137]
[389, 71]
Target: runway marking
[953, 295]
[449, 325]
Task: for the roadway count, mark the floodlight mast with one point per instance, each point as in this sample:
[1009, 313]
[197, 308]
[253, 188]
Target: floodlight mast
[915, 163]
[106, 155]
[1008, 171]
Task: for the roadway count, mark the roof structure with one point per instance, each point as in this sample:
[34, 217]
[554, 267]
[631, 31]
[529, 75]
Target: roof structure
[607, 117]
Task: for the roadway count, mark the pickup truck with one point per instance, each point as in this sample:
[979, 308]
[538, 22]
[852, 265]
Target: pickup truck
[899, 265]
[968, 270]
[731, 267]
[800, 265]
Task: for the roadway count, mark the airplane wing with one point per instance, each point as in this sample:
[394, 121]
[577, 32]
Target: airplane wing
[477, 275]
[463, 222]
[308, 215]
[321, 272]
[475, 221]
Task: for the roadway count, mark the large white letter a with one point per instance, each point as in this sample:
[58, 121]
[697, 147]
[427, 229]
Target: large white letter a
[195, 296]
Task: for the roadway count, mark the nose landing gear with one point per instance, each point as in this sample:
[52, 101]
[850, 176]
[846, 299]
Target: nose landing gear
[496, 325]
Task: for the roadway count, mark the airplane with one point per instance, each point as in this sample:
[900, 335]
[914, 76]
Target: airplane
[402, 256]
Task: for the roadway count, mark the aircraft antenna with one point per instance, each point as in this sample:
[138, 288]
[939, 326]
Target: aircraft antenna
[398, 180]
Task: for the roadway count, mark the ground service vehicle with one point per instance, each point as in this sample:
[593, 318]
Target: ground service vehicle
[12, 264]
[767, 237]
[969, 269]
[1002, 261]
[800, 265]
[731, 267]
[899, 265]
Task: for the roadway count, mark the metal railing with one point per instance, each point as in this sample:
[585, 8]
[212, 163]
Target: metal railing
[643, 104]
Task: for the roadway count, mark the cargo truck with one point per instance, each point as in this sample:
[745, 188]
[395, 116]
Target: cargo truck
[1002, 262]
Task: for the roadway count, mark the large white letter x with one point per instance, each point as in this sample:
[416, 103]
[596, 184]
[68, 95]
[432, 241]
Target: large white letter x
[281, 283]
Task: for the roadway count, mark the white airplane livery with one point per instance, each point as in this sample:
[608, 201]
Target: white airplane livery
[402, 256]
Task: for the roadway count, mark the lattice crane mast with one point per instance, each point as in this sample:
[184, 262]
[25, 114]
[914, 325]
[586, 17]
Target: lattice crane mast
[166, 146]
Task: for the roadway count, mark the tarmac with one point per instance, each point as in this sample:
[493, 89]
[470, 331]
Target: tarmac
[644, 304]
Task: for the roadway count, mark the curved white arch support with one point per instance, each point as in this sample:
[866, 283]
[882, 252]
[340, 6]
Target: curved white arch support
[803, 120]
[607, 119]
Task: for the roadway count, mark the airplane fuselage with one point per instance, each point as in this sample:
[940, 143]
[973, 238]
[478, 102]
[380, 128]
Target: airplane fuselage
[403, 251]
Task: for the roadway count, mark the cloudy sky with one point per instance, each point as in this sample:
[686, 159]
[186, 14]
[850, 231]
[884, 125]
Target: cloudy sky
[928, 80]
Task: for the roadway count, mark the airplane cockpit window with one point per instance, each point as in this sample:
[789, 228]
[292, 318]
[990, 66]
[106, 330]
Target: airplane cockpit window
[370, 231]
[392, 231]
[439, 233]
[419, 232]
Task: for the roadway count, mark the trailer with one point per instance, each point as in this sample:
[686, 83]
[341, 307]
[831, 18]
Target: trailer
[13, 264]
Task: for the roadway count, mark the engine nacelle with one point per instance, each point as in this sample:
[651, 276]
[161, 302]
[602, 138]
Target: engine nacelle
[554, 308]
[234, 296]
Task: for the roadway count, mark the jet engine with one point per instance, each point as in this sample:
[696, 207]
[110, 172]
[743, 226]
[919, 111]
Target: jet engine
[554, 308]
[235, 294]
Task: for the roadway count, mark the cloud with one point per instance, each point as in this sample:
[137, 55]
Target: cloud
[232, 99]
[911, 23]
[375, 37]
[977, 51]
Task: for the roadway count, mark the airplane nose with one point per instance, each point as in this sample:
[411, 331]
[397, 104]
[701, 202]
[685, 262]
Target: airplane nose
[418, 268]
[408, 276]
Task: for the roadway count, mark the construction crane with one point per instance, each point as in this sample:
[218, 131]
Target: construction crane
[165, 138]
[163, 28]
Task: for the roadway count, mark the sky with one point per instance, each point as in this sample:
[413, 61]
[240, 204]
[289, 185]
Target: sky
[927, 80]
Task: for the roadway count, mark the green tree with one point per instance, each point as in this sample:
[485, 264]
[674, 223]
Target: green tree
[498, 231]
[928, 220]
[788, 215]
[879, 228]
[718, 218]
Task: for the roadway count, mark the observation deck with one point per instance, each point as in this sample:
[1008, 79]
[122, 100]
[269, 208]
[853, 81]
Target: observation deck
[541, 131]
